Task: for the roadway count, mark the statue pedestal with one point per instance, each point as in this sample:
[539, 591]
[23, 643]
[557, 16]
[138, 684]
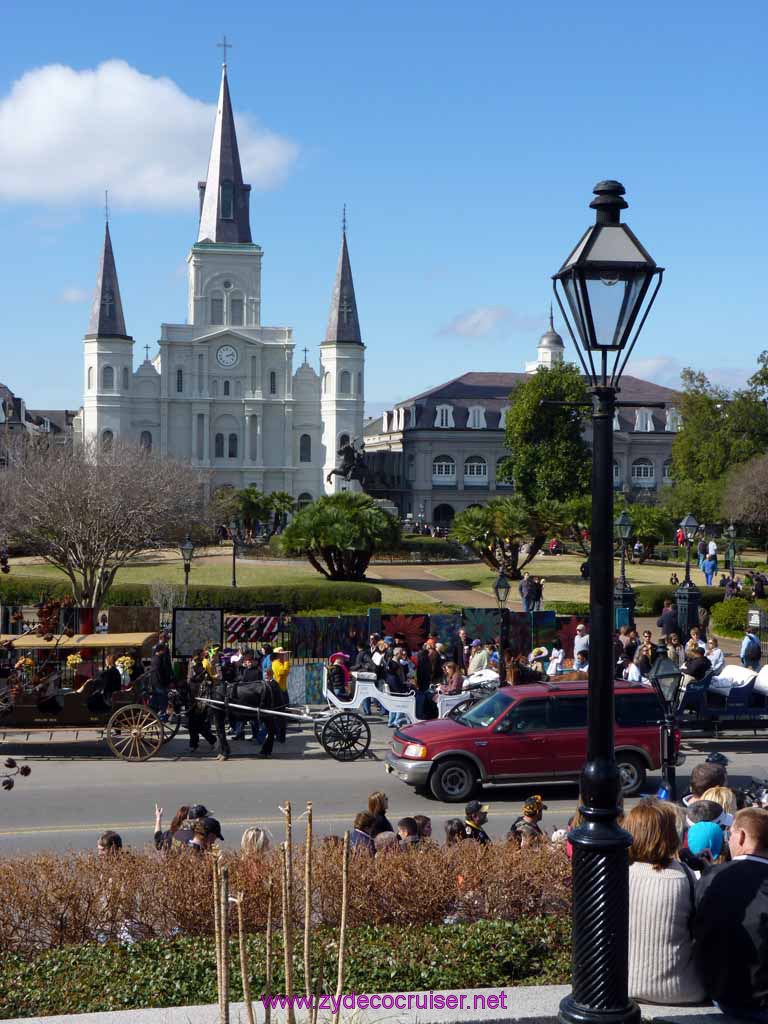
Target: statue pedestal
[353, 486]
[387, 506]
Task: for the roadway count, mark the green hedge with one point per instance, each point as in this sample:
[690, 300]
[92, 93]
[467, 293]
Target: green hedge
[650, 599]
[29, 590]
[730, 617]
[567, 607]
[182, 972]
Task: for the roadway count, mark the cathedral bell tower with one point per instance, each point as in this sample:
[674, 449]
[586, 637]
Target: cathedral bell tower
[342, 364]
[108, 358]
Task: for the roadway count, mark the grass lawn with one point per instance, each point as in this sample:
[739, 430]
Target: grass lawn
[214, 568]
[563, 582]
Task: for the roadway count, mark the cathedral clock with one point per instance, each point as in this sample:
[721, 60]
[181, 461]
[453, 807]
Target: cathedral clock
[226, 355]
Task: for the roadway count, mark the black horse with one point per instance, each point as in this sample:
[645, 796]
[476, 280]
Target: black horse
[351, 464]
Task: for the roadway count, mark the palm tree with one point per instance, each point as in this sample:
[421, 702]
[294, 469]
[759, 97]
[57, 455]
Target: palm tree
[280, 504]
[253, 506]
[340, 533]
[499, 530]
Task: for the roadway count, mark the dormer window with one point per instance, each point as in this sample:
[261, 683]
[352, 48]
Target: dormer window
[444, 416]
[412, 420]
[674, 421]
[476, 419]
[227, 202]
[616, 423]
[644, 421]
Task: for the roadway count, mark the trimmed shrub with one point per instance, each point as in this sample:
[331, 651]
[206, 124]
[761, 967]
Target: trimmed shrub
[567, 607]
[99, 978]
[650, 599]
[730, 617]
[29, 590]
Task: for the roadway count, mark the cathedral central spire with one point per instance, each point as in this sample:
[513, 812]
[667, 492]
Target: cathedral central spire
[224, 199]
[107, 320]
[343, 324]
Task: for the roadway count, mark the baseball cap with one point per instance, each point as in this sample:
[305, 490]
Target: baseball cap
[197, 811]
[476, 643]
[475, 807]
[707, 811]
[212, 827]
[533, 805]
[705, 835]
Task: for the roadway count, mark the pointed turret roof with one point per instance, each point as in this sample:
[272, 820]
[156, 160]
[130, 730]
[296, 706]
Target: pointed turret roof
[224, 211]
[343, 324]
[107, 320]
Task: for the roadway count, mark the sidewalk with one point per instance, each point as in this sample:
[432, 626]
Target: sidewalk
[532, 1005]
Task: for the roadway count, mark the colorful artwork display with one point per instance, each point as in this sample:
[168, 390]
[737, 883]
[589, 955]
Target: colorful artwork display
[251, 629]
[196, 628]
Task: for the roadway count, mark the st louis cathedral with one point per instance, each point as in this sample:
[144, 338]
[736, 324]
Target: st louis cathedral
[222, 392]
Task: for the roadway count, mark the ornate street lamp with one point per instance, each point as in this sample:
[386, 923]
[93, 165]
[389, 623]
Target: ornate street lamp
[688, 595]
[623, 594]
[667, 679]
[609, 283]
[234, 532]
[187, 549]
[501, 589]
[730, 532]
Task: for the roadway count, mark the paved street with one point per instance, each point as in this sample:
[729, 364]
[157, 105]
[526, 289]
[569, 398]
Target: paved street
[77, 789]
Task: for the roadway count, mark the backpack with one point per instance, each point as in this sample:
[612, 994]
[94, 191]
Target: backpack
[752, 652]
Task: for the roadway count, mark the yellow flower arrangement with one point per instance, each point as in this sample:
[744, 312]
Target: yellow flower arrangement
[125, 663]
[74, 660]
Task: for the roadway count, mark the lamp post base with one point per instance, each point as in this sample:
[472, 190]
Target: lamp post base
[572, 1013]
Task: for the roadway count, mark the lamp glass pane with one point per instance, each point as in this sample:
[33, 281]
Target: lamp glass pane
[669, 687]
[614, 296]
[572, 294]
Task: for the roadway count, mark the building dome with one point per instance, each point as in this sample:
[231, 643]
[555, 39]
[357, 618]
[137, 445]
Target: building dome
[551, 339]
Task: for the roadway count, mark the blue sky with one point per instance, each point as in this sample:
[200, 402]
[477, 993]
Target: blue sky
[464, 138]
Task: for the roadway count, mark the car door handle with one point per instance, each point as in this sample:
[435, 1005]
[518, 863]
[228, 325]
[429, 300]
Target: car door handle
[481, 743]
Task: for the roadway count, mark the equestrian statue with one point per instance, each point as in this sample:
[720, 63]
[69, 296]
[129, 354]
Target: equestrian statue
[351, 465]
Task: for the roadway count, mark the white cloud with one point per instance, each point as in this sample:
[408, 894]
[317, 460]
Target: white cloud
[66, 135]
[483, 321]
[72, 295]
[663, 370]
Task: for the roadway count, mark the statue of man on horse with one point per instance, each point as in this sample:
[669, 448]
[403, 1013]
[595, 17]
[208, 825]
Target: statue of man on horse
[351, 465]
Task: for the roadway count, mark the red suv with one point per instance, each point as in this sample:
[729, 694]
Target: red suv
[529, 733]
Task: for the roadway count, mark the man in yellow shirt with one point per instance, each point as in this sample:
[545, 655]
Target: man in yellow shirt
[281, 666]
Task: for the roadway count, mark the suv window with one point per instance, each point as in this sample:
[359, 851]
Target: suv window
[526, 716]
[638, 709]
[568, 713]
[486, 711]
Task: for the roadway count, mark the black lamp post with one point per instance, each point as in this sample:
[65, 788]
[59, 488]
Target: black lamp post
[234, 532]
[501, 589]
[687, 595]
[730, 532]
[623, 594]
[187, 549]
[667, 679]
[609, 282]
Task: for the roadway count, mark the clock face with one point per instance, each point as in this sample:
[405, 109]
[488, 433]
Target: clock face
[227, 355]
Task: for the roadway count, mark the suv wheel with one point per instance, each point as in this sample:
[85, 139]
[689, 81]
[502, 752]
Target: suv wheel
[453, 780]
[631, 773]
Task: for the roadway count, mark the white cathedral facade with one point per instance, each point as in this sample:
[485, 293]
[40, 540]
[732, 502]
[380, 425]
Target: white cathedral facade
[222, 393]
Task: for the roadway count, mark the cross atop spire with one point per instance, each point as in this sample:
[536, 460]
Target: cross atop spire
[224, 46]
[225, 200]
[107, 320]
[106, 206]
[343, 324]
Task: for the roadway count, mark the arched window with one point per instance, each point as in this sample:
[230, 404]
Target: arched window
[236, 310]
[643, 473]
[303, 500]
[343, 439]
[410, 468]
[217, 309]
[360, 384]
[107, 437]
[345, 382]
[145, 441]
[90, 378]
[443, 515]
[215, 388]
[666, 471]
[616, 474]
[200, 374]
[179, 380]
[443, 470]
[476, 471]
[232, 446]
[272, 382]
[226, 388]
[305, 448]
[126, 378]
[108, 378]
[218, 446]
[227, 201]
[500, 462]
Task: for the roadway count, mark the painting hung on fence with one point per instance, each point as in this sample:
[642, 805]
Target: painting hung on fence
[196, 628]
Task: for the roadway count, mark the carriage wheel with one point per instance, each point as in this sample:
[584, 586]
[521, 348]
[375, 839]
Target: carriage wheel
[135, 733]
[6, 707]
[459, 709]
[318, 725]
[171, 726]
[346, 736]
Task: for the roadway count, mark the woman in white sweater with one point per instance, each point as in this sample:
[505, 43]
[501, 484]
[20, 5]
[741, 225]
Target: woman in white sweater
[661, 968]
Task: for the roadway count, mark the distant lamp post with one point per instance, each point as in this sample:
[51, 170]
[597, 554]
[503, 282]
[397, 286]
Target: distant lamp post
[187, 550]
[667, 679]
[608, 284]
[730, 533]
[623, 594]
[501, 589]
[688, 595]
[234, 532]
